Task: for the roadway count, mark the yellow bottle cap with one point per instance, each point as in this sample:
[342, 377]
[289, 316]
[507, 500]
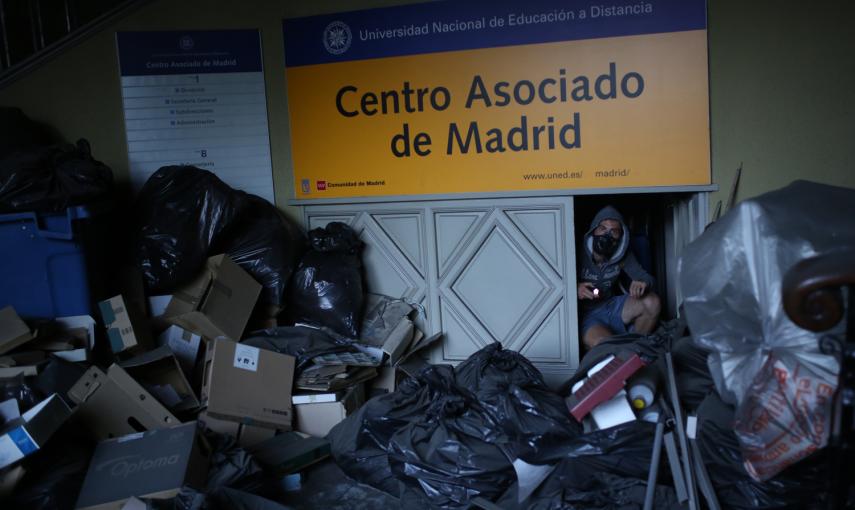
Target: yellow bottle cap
[638, 403]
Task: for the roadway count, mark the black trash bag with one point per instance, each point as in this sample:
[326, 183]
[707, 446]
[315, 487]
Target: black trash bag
[453, 453]
[232, 466]
[52, 179]
[360, 444]
[512, 391]
[267, 246]
[604, 469]
[182, 211]
[326, 290]
[54, 476]
[302, 342]
[452, 468]
[804, 485]
[694, 381]
[454, 433]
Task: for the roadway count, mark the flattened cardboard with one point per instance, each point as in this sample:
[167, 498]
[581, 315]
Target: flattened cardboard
[247, 384]
[13, 331]
[159, 372]
[27, 434]
[126, 329]
[318, 419]
[113, 404]
[385, 380]
[398, 341]
[153, 464]
[218, 303]
[184, 344]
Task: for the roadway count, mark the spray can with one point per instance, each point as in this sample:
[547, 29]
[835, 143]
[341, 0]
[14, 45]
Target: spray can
[642, 388]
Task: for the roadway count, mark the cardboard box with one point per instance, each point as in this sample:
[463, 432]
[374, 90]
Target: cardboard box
[218, 303]
[153, 464]
[248, 384]
[113, 404]
[290, 452]
[159, 372]
[184, 344]
[24, 435]
[13, 331]
[81, 328]
[224, 427]
[318, 419]
[126, 329]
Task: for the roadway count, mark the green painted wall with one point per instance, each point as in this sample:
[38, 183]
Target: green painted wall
[782, 93]
[782, 79]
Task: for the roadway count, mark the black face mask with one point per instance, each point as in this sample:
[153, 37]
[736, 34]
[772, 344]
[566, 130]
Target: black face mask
[605, 245]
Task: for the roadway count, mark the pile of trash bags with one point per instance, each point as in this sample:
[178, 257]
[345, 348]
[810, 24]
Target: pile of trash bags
[490, 428]
[186, 214]
[454, 434]
[772, 371]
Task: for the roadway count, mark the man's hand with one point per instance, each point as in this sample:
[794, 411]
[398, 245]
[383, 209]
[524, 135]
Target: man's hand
[637, 289]
[585, 290]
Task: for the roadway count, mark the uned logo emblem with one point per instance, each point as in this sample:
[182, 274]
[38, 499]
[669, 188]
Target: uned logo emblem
[186, 42]
[337, 37]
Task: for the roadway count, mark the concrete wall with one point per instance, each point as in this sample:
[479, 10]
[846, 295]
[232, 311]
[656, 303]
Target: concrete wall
[781, 80]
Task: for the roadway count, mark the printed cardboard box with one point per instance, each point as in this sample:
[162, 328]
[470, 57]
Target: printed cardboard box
[247, 384]
[153, 464]
[114, 404]
[126, 327]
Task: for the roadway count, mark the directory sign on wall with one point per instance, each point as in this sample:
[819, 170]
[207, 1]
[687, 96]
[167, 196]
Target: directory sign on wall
[197, 98]
[499, 95]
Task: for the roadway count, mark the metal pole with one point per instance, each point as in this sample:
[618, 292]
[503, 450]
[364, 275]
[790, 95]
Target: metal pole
[653, 474]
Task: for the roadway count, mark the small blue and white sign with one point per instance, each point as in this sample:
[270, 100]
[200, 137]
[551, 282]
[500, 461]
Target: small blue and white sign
[197, 98]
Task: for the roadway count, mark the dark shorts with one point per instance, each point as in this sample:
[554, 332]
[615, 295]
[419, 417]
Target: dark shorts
[607, 314]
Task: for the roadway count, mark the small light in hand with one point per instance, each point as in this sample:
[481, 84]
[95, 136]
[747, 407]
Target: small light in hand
[596, 293]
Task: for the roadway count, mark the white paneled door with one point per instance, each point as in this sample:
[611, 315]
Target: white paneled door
[485, 270]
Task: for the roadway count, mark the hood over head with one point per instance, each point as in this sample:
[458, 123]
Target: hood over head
[608, 213]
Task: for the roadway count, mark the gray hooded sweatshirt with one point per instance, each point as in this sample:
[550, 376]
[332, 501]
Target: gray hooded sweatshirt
[605, 276]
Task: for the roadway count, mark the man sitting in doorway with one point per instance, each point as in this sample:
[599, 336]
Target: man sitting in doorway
[603, 309]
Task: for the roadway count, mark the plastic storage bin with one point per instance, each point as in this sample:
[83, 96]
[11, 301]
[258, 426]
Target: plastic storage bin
[48, 261]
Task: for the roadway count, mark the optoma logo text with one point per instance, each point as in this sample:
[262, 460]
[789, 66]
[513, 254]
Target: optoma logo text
[124, 467]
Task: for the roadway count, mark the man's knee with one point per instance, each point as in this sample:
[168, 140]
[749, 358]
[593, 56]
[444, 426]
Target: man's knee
[594, 334]
[652, 304]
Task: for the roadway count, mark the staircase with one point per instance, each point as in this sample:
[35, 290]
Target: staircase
[33, 31]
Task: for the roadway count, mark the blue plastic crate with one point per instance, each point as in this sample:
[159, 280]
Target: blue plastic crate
[44, 271]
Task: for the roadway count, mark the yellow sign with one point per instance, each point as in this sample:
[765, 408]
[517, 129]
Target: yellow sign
[612, 112]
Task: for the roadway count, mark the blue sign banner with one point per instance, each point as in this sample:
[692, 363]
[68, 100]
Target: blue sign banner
[189, 52]
[461, 25]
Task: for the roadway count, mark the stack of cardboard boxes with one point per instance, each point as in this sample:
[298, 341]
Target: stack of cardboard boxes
[181, 363]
